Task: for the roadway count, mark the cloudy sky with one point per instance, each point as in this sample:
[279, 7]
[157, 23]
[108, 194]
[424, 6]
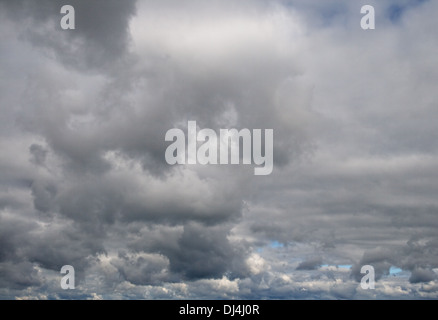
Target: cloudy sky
[84, 181]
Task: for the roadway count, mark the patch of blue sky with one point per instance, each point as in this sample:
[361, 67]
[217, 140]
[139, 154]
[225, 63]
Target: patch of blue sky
[276, 244]
[394, 270]
[272, 244]
[396, 10]
[344, 266]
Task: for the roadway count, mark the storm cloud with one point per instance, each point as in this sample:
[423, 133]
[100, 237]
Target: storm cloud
[83, 176]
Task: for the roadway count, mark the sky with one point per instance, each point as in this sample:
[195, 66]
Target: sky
[83, 176]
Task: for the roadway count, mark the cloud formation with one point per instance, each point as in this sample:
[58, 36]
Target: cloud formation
[84, 181]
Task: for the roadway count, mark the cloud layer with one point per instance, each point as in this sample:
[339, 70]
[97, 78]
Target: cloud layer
[84, 181]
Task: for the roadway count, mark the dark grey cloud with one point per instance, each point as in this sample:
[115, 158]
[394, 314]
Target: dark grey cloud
[193, 250]
[143, 269]
[101, 30]
[18, 275]
[422, 275]
[206, 253]
[310, 264]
